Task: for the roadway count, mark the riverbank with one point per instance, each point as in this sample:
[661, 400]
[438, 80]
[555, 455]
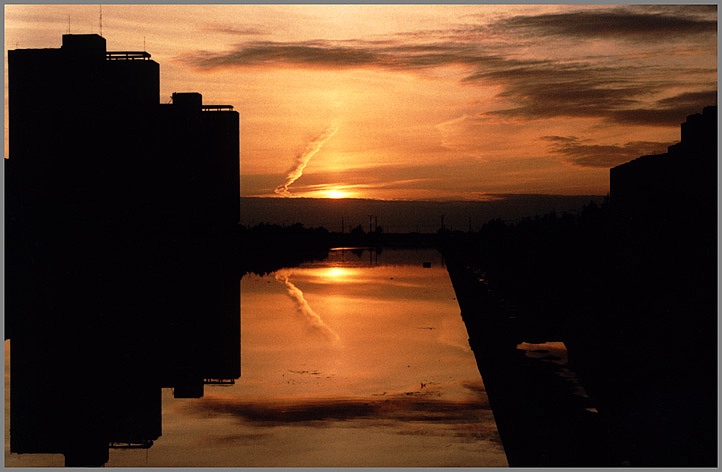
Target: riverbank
[544, 417]
[636, 307]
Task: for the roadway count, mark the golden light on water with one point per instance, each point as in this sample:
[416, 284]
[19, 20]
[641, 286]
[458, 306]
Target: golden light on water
[337, 273]
[345, 363]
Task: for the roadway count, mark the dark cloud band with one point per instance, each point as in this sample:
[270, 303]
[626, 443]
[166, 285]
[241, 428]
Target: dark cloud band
[596, 155]
[632, 23]
[616, 87]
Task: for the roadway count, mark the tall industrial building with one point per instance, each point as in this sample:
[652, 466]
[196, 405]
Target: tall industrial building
[121, 216]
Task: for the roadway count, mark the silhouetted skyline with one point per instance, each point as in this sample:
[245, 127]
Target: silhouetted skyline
[455, 102]
[123, 207]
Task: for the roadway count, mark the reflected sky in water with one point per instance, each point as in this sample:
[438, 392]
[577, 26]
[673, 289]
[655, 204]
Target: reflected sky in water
[359, 360]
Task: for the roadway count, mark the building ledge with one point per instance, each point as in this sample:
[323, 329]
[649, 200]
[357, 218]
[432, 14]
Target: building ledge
[217, 107]
[127, 56]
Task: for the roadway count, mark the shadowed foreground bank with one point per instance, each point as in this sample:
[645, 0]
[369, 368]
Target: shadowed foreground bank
[617, 401]
[542, 417]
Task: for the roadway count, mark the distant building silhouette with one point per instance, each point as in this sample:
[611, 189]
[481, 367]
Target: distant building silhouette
[121, 247]
[662, 306]
[660, 189]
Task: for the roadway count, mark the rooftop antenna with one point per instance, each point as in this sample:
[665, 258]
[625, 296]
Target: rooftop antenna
[68, 24]
[100, 20]
[144, 48]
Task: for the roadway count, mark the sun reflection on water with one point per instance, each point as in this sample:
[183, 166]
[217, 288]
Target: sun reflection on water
[337, 274]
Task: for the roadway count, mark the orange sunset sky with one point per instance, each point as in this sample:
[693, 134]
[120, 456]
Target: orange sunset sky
[423, 102]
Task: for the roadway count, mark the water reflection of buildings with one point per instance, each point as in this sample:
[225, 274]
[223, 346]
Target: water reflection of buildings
[121, 253]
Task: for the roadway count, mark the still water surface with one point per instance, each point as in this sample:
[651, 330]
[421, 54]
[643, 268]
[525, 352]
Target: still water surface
[360, 360]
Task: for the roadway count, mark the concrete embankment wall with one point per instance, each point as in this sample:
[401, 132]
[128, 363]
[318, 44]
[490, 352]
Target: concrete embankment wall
[542, 419]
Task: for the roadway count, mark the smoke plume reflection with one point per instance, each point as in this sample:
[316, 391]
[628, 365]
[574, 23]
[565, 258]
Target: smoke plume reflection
[303, 308]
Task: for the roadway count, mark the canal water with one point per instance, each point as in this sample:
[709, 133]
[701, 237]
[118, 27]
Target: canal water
[360, 360]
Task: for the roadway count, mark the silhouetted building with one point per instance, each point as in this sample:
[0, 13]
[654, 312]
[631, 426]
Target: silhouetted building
[664, 188]
[661, 317]
[664, 218]
[121, 218]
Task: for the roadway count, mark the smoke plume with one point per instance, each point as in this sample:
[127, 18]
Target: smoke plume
[304, 309]
[302, 160]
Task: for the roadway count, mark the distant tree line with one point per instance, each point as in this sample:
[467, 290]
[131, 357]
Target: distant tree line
[266, 247]
[546, 266]
[551, 263]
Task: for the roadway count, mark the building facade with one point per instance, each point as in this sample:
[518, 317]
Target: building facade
[121, 216]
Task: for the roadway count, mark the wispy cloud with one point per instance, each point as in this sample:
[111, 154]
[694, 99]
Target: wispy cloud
[546, 90]
[474, 44]
[323, 54]
[669, 111]
[639, 66]
[599, 155]
[617, 87]
[542, 89]
[234, 30]
[648, 23]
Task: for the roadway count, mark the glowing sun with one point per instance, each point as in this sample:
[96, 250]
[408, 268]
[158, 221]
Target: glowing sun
[336, 194]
